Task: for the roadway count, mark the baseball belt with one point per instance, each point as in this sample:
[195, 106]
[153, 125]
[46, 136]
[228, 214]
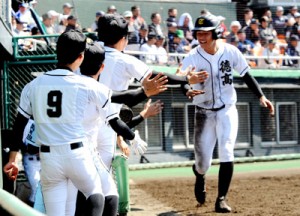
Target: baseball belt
[45, 148]
[213, 109]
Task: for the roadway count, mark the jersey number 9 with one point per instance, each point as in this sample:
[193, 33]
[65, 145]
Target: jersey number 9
[54, 101]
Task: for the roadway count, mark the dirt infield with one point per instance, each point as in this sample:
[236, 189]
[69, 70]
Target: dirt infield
[253, 194]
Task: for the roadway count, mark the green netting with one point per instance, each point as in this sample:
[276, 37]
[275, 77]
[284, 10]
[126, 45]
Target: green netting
[18, 75]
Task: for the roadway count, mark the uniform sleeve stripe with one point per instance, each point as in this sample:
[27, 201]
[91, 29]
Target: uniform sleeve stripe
[24, 111]
[105, 103]
[247, 67]
[112, 115]
[144, 74]
[108, 96]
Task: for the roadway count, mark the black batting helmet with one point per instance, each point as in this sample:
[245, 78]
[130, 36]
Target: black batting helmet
[208, 22]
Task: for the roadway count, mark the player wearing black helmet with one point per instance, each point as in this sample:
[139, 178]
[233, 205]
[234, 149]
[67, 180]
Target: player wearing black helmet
[216, 117]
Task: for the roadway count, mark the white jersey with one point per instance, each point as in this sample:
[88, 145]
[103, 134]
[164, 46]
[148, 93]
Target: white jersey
[149, 59]
[57, 100]
[219, 88]
[119, 70]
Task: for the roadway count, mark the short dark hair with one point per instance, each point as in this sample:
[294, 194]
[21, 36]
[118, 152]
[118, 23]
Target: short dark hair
[94, 56]
[171, 9]
[153, 15]
[111, 28]
[134, 7]
[247, 10]
[69, 46]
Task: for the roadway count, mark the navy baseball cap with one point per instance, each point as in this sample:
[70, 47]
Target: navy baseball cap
[69, 45]
[111, 28]
[100, 13]
[94, 56]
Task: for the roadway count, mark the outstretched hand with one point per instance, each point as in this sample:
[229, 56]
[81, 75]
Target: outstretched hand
[266, 103]
[197, 77]
[151, 109]
[193, 77]
[155, 85]
[193, 92]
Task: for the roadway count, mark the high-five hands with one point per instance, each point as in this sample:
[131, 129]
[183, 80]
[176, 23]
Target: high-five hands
[152, 109]
[193, 77]
[155, 85]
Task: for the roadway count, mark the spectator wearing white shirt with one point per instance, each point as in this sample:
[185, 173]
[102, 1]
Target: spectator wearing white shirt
[24, 15]
[149, 47]
[270, 51]
[162, 55]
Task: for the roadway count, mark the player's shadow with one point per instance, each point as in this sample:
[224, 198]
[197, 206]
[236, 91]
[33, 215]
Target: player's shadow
[170, 213]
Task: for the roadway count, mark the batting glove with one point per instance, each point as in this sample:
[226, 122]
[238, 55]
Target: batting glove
[138, 145]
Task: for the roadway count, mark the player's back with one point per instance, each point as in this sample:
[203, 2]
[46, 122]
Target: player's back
[120, 69]
[59, 99]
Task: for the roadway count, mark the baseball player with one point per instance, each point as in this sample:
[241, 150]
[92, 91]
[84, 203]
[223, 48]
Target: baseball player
[92, 66]
[216, 117]
[31, 159]
[57, 101]
[118, 72]
[120, 69]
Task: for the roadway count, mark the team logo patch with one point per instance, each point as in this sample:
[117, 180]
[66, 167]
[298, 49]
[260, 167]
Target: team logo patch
[200, 21]
[226, 70]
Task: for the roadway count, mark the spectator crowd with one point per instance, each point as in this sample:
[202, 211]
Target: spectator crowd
[269, 39]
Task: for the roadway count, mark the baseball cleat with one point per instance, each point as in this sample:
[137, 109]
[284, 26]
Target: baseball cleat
[221, 206]
[199, 190]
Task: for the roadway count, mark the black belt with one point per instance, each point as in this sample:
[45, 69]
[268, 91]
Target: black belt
[31, 149]
[73, 146]
[213, 109]
[33, 158]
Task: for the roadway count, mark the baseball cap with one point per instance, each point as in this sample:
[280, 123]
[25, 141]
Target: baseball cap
[294, 7]
[279, 8]
[71, 17]
[94, 56]
[100, 13]
[160, 37]
[152, 35]
[294, 38]
[68, 5]
[297, 15]
[272, 41]
[253, 21]
[112, 27]
[24, 5]
[69, 45]
[112, 7]
[179, 33]
[52, 13]
[127, 14]
[235, 23]
[144, 27]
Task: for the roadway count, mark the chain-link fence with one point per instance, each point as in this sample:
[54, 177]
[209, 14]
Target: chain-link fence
[172, 130]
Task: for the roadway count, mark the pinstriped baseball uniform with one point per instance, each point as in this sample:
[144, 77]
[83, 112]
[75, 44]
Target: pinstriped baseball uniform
[216, 117]
[58, 100]
[31, 162]
[117, 74]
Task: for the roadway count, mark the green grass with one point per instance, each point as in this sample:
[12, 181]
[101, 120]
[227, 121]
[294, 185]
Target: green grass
[187, 171]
